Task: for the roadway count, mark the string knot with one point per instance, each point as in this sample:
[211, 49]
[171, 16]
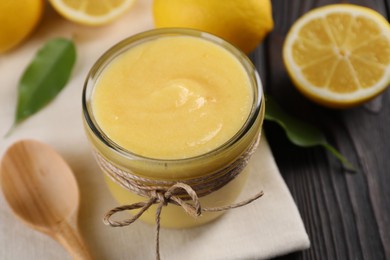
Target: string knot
[159, 196]
[178, 194]
[174, 193]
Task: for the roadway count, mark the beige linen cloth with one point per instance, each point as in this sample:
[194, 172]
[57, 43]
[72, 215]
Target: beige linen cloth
[268, 227]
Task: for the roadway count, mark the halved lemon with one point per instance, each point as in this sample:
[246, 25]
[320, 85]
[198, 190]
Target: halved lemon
[339, 55]
[91, 12]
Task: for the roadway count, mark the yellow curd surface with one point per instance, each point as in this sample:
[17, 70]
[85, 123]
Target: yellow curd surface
[168, 101]
[173, 97]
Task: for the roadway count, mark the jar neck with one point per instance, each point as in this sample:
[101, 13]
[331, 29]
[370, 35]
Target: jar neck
[185, 168]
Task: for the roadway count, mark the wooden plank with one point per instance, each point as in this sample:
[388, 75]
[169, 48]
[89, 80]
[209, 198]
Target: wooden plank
[346, 215]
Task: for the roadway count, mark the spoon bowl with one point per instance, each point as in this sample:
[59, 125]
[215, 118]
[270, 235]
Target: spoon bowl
[42, 191]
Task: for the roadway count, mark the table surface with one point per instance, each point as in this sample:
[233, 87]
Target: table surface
[347, 216]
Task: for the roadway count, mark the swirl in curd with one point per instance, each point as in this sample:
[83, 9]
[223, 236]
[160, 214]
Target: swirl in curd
[172, 98]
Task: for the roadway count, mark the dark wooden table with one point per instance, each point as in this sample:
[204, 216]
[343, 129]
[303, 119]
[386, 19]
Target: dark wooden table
[347, 216]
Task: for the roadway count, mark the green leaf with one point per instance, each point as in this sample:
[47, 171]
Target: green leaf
[301, 133]
[44, 77]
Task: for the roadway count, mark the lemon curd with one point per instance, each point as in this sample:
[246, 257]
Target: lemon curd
[172, 105]
[173, 97]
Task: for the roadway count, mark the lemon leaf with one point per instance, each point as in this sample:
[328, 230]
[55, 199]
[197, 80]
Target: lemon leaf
[44, 77]
[301, 133]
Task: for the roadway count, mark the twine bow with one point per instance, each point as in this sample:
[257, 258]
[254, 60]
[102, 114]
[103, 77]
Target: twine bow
[163, 199]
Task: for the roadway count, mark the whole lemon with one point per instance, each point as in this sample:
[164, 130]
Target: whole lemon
[17, 20]
[244, 23]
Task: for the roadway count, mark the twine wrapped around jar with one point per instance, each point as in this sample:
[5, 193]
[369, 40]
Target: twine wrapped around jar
[178, 192]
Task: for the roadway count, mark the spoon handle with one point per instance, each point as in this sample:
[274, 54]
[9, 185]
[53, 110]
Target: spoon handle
[69, 236]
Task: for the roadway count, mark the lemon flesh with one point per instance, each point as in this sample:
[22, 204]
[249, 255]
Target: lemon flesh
[339, 55]
[91, 12]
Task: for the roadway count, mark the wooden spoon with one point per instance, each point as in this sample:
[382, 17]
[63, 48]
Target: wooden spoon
[42, 191]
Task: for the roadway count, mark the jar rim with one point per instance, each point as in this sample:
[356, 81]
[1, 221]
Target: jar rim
[129, 42]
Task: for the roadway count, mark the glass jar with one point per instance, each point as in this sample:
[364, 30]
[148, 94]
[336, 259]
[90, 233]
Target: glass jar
[175, 169]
